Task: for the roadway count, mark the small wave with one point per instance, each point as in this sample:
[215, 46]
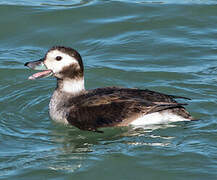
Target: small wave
[48, 3]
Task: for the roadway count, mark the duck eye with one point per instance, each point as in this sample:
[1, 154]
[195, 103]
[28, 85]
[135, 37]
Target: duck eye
[58, 58]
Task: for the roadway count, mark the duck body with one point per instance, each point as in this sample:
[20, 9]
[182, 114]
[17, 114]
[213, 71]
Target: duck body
[101, 107]
[113, 106]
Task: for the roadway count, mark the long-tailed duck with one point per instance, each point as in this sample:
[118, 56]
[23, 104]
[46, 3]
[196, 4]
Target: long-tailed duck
[101, 107]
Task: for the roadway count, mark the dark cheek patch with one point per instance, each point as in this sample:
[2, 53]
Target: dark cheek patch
[73, 72]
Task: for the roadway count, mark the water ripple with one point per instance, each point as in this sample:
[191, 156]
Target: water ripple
[48, 3]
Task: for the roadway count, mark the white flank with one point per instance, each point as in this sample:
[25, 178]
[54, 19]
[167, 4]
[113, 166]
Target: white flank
[73, 86]
[157, 118]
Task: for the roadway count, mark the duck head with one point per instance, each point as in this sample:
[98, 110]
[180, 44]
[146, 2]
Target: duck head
[60, 62]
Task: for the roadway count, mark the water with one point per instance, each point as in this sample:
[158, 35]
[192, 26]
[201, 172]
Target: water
[165, 46]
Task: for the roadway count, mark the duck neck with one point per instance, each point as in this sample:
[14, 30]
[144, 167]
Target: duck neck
[71, 86]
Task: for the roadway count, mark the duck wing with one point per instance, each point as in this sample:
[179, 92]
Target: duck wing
[112, 106]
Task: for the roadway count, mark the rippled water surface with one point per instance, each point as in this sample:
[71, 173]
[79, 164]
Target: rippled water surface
[165, 46]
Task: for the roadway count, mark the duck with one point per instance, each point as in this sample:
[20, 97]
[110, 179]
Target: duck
[93, 109]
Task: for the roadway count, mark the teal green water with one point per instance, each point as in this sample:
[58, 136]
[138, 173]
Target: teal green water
[160, 45]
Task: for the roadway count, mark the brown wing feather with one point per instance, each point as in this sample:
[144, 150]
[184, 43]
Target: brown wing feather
[136, 93]
[123, 93]
[110, 106]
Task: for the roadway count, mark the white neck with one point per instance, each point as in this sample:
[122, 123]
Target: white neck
[73, 86]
